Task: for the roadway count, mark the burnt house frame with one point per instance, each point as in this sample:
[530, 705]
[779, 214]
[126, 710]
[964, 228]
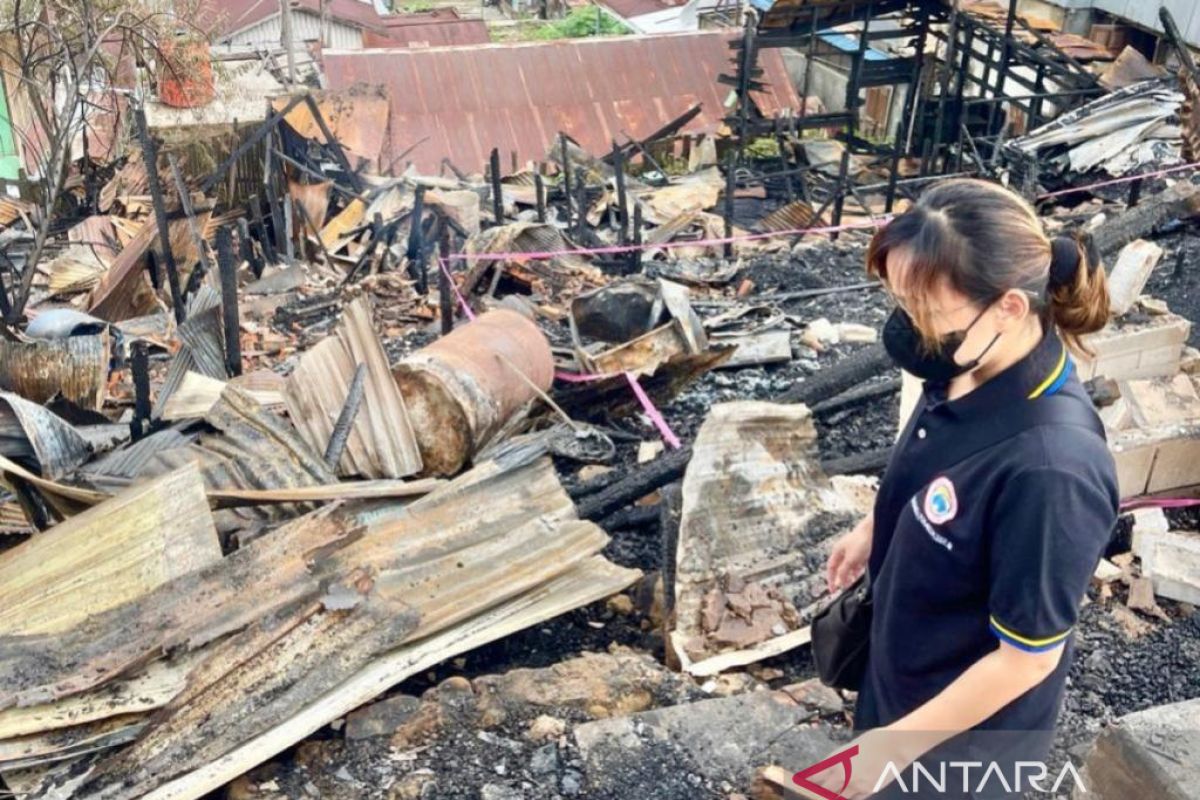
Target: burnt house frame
[964, 78]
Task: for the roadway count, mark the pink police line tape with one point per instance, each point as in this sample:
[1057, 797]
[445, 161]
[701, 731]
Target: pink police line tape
[651, 411]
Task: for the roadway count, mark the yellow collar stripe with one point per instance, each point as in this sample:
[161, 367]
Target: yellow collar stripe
[1053, 376]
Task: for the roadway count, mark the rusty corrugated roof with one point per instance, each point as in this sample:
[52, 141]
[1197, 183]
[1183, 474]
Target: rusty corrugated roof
[441, 27]
[460, 102]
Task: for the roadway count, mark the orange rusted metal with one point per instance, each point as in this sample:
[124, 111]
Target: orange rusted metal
[460, 102]
[460, 390]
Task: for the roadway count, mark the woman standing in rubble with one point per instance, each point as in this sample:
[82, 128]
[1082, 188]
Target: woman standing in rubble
[999, 500]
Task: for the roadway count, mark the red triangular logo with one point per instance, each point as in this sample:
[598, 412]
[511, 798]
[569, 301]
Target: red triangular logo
[801, 778]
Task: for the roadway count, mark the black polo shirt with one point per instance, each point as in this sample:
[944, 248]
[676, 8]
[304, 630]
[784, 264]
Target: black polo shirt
[988, 525]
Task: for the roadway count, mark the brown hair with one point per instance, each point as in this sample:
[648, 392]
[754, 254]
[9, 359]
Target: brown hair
[983, 240]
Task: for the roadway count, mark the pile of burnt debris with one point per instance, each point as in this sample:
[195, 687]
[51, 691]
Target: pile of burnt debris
[560, 454]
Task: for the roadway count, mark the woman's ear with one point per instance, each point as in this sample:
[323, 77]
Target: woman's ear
[1014, 307]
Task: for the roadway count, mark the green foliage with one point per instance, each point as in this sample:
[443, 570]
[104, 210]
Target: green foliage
[416, 7]
[582, 22]
[763, 147]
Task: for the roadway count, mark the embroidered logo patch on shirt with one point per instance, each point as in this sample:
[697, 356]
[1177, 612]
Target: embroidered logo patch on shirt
[941, 504]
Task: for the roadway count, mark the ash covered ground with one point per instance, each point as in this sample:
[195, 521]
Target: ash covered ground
[1120, 665]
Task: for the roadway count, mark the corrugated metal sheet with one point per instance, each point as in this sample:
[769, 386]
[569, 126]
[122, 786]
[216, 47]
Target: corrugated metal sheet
[203, 347]
[27, 429]
[460, 102]
[429, 32]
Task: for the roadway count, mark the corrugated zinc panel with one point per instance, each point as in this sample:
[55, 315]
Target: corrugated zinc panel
[518, 97]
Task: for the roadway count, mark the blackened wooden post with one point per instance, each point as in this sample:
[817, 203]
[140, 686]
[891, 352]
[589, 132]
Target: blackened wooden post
[185, 202]
[784, 167]
[852, 105]
[539, 187]
[272, 191]
[260, 229]
[445, 301]
[150, 158]
[497, 195]
[637, 238]
[1135, 193]
[566, 175]
[622, 201]
[140, 366]
[5, 306]
[229, 302]
[415, 244]
[730, 187]
[246, 244]
[581, 203]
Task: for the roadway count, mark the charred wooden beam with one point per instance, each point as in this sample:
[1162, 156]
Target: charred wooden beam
[246, 245]
[140, 367]
[416, 244]
[622, 200]
[340, 435]
[150, 158]
[259, 134]
[497, 187]
[333, 144]
[185, 202]
[837, 378]
[539, 187]
[445, 300]
[260, 229]
[1180, 201]
[229, 303]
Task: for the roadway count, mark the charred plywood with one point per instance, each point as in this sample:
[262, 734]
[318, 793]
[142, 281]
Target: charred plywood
[382, 443]
[107, 556]
[76, 367]
[758, 514]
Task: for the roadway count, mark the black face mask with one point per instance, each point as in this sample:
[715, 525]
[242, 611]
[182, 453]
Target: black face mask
[937, 365]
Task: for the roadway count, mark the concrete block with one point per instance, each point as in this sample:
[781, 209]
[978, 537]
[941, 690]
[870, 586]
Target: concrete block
[1130, 272]
[1133, 467]
[1171, 559]
[1152, 753]
[1143, 350]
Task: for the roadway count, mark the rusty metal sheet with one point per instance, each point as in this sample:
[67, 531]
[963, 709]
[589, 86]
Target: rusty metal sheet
[463, 387]
[382, 443]
[471, 99]
[77, 367]
[431, 33]
[357, 117]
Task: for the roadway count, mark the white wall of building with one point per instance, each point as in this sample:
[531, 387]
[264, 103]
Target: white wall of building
[306, 27]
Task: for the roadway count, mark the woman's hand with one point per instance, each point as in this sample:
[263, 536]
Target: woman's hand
[850, 554]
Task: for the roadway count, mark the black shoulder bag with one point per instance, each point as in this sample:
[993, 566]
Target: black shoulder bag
[841, 632]
[841, 635]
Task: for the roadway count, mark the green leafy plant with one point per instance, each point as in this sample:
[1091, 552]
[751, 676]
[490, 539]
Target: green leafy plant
[583, 22]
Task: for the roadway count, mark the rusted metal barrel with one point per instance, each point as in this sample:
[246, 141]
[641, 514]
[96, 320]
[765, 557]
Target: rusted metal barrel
[460, 390]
